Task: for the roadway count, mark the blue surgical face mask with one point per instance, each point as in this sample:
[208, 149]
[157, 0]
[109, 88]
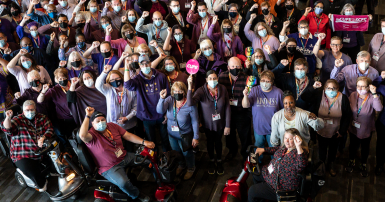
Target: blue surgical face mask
[81, 44]
[202, 14]
[104, 26]
[178, 37]
[145, 70]
[213, 83]
[93, 9]
[63, 3]
[34, 33]
[29, 114]
[2, 43]
[117, 8]
[331, 93]
[299, 74]
[383, 30]
[176, 9]
[208, 52]
[131, 18]
[158, 23]
[52, 14]
[26, 64]
[348, 12]
[258, 61]
[101, 126]
[318, 10]
[169, 68]
[262, 33]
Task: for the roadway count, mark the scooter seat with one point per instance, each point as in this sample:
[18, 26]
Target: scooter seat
[104, 182]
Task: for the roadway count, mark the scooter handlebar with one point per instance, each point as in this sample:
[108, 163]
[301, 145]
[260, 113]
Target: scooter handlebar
[251, 147]
[252, 171]
[46, 146]
[136, 161]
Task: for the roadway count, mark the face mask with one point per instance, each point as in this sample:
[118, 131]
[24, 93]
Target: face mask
[318, 10]
[34, 33]
[169, 68]
[233, 14]
[81, 25]
[26, 64]
[299, 74]
[234, 72]
[178, 37]
[2, 43]
[63, 24]
[142, 54]
[76, 64]
[30, 114]
[63, 83]
[104, 26]
[116, 83]
[63, 3]
[117, 8]
[45, 6]
[130, 36]
[289, 7]
[158, 23]
[178, 96]
[154, 0]
[65, 44]
[303, 31]
[208, 52]
[88, 83]
[202, 14]
[106, 54]
[131, 18]
[265, 11]
[258, 61]
[265, 86]
[135, 65]
[213, 83]
[348, 12]
[145, 70]
[34, 83]
[227, 30]
[81, 44]
[176, 10]
[331, 93]
[52, 14]
[15, 13]
[262, 33]
[291, 49]
[383, 30]
[362, 92]
[101, 126]
[93, 9]
[363, 66]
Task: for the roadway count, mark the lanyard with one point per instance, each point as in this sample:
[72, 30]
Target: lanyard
[290, 60]
[108, 60]
[212, 4]
[327, 101]
[169, 80]
[133, 46]
[63, 90]
[96, 20]
[288, 18]
[215, 97]
[181, 19]
[304, 46]
[157, 33]
[262, 42]
[232, 85]
[203, 28]
[362, 104]
[16, 20]
[110, 138]
[180, 50]
[236, 19]
[120, 96]
[38, 41]
[269, 21]
[382, 43]
[177, 109]
[300, 90]
[318, 23]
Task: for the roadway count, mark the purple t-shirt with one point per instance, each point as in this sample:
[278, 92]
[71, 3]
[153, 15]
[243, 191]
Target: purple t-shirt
[59, 98]
[76, 73]
[264, 105]
[101, 61]
[102, 150]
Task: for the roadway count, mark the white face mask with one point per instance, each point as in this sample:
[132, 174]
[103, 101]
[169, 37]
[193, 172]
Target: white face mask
[265, 86]
[303, 31]
[88, 83]
[383, 30]
[363, 66]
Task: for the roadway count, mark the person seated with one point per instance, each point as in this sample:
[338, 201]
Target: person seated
[105, 143]
[39, 41]
[28, 132]
[281, 174]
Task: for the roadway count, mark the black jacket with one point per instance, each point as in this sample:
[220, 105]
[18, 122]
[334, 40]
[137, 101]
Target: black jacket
[359, 36]
[294, 19]
[171, 21]
[283, 55]
[276, 26]
[225, 15]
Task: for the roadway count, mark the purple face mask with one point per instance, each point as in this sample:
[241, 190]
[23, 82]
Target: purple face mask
[362, 92]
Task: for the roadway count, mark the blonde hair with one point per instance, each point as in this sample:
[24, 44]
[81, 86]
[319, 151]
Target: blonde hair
[77, 55]
[364, 78]
[62, 71]
[125, 28]
[144, 46]
[258, 50]
[294, 132]
[179, 85]
[268, 74]
[348, 6]
[206, 43]
[268, 29]
[114, 72]
[33, 74]
[227, 21]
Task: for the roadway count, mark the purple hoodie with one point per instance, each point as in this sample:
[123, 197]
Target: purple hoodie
[147, 93]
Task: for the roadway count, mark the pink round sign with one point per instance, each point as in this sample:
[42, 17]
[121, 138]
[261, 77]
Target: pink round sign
[192, 66]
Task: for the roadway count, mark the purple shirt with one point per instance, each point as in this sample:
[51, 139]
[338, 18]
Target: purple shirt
[76, 73]
[328, 62]
[264, 105]
[236, 43]
[59, 98]
[7, 28]
[101, 61]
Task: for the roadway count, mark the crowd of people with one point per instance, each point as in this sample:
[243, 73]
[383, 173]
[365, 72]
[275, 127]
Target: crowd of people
[271, 72]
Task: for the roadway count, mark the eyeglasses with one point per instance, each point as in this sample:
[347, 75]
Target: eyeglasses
[178, 92]
[360, 87]
[335, 45]
[266, 81]
[303, 27]
[332, 89]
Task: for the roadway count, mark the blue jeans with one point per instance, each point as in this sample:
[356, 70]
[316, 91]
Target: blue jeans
[260, 142]
[149, 126]
[117, 175]
[176, 145]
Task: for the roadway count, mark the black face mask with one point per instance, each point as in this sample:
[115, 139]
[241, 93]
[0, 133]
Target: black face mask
[106, 54]
[15, 13]
[116, 83]
[135, 65]
[233, 14]
[289, 7]
[265, 11]
[63, 24]
[178, 96]
[34, 83]
[227, 30]
[76, 64]
[63, 83]
[235, 71]
[291, 49]
[130, 36]
[81, 24]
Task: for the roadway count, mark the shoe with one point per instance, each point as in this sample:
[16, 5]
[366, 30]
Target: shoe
[220, 170]
[230, 156]
[350, 166]
[211, 167]
[379, 170]
[331, 169]
[179, 170]
[142, 198]
[364, 170]
[189, 174]
[44, 188]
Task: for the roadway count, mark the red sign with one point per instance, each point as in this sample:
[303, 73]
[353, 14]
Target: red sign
[350, 22]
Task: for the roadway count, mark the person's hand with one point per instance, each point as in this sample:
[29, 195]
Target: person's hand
[282, 45]
[198, 53]
[74, 81]
[124, 55]
[107, 4]
[383, 74]
[63, 63]
[149, 144]
[245, 91]
[215, 19]
[17, 95]
[193, 4]
[163, 94]
[163, 55]
[61, 44]
[338, 62]
[253, 16]
[227, 131]
[95, 44]
[23, 51]
[169, 30]
[52, 36]
[109, 29]
[312, 116]
[165, 119]
[54, 24]
[122, 120]
[89, 110]
[285, 62]
[45, 88]
[224, 2]
[40, 142]
[34, 2]
[254, 7]
[190, 81]
[321, 36]
[82, 2]
[26, 18]
[330, 16]
[297, 141]
[307, 11]
[145, 14]
[107, 68]
[267, 49]
[248, 64]
[127, 62]
[74, 14]
[286, 24]
[124, 18]
[338, 134]
[317, 84]
[372, 89]
[259, 151]
[195, 143]
[7, 51]
[153, 43]
[9, 114]
[370, 17]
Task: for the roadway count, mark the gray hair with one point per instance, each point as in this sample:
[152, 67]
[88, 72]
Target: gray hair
[72, 55]
[29, 102]
[364, 54]
[268, 29]
[79, 16]
[348, 6]
[33, 74]
[206, 43]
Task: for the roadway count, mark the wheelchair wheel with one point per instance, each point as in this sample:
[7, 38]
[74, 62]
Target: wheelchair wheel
[100, 200]
[20, 179]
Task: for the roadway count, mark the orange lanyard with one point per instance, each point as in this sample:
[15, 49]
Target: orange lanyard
[108, 60]
[121, 98]
[181, 19]
[290, 60]
[38, 41]
[169, 80]
[260, 40]
[203, 28]
[236, 19]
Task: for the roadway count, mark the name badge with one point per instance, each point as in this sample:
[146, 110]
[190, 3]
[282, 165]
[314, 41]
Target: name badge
[187, 5]
[182, 65]
[270, 168]
[356, 124]
[118, 152]
[376, 56]
[346, 40]
[216, 117]
[316, 34]
[174, 128]
[328, 121]
[234, 102]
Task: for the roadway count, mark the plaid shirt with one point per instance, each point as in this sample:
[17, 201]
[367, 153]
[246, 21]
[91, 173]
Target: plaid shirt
[25, 134]
[239, 86]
